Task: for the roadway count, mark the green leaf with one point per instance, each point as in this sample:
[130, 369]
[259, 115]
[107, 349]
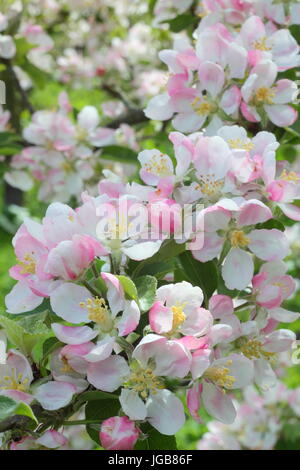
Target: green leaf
[204, 275]
[100, 409]
[155, 440]
[95, 396]
[14, 332]
[273, 223]
[129, 287]
[168, 251]
[182, 22]
[119, 154]
[146, 289]
[9, 407]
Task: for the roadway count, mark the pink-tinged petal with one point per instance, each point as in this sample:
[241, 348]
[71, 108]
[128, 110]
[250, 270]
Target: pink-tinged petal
[238, 269]
[279, 341]
[129, 319]
[21, 299]
[212, 78]
[18, 396]
[160, 318]
[220, 305]
[269, 296]
[268, 245]
[231, 100]
[132, 405]
[213, 155]
[108, 375]
[188, 122]
[213, 218]
[282, 315]
[193, 400]
[66, 302]
[252, 30]
[191, 343]
[291, 211]
[220, 333]
[286, 92]
[198, 322]
[118, 433]
[17, 361]
[184, 151]
[115, 292]
[240, 367]
[211, 248]
[88, 118]
[264, 375]
[165, 412]
[101, 350]
[73, 334]
[200, 362]
[281, 115]
[3, 344]
[171, 358]
[253, 212]
[54, 395]
[160, 107]
[249, 113]
[217, 404]
[52, 439]
[142, 250]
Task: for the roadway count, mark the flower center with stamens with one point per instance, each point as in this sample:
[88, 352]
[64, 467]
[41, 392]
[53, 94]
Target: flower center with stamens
[261, 45]
[252, 349]
[289, 176]
[81, 133]
[14, 382]
[240, 144]
[202, 107]
[264, 95]
[239, 239]
[178, 316]
[158, 165]
[66, 166]
[66, 366]
[219, 375]
[28, 265]
[209, 186]
[144, 381]
[98, 313]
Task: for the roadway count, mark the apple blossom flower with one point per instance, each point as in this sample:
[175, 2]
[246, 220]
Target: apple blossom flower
[262, 95]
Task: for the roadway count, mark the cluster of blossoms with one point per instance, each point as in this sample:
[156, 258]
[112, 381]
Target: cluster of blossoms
[202, 346]
[230, 75]
[40, 42]
[261, 418]
[64, 156]
[120, 277]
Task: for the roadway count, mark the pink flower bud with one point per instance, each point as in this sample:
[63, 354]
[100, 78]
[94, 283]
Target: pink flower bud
[118, 433]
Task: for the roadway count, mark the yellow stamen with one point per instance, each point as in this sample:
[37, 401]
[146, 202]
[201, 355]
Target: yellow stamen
[66, 166]
[202, 107]
[240, 144]
[261, 45]
[98, 313]
[209, 185]
[239, 239]
[253, 350]
[14, 382]
[144, 381]
[219, 375]
[264, 95]
[158, 165]
[289, 176]
[178, 316]
[28, 265]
